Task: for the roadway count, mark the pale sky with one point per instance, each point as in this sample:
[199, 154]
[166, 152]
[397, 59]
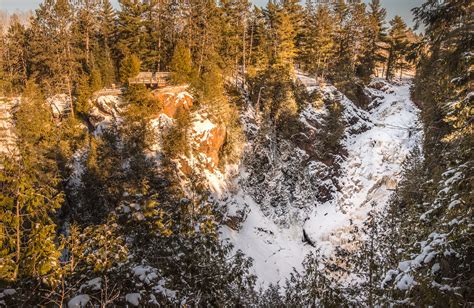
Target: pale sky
[394, 7]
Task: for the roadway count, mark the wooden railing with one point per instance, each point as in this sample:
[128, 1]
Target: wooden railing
[159, 79]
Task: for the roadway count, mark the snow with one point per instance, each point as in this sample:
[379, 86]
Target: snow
[160, 288]
[145, 274]
[202, 128]
[9, 292]
[133, 298]
[79, 301]
[60, 104]
[405, 282]
[388, 277]
[93, 284]
[7, 134]
[77, 166]
[371, 169]
[275, 251]
[377, 141]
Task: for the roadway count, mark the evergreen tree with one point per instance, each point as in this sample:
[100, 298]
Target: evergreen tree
[83, 93]
[376, 37]
[258, 50]
[181, 64]
[106, 20]
[131, 37]
[30, 196]
[53, 57]
[15, 56]
[398, 46]
[129, 67]
[283, 34]
[317, 42]
[85, 31]
[235, 34]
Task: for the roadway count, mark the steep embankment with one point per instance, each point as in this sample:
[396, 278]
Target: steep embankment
[376, 142]
[205, 136]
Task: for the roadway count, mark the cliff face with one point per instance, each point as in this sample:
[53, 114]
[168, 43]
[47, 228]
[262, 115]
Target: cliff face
[290, 201]
[174, 101]
[207, 138]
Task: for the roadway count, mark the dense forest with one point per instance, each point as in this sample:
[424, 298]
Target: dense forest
[92, 213]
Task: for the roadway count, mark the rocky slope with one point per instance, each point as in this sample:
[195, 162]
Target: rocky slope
[285, 201]
[289, 204]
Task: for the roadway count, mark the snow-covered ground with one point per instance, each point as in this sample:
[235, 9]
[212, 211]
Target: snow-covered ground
[369, 174]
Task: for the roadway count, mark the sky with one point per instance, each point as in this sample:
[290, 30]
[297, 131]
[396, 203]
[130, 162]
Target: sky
[394, 7]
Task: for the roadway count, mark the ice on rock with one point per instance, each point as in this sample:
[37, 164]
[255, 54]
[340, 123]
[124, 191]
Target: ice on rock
[60, 104]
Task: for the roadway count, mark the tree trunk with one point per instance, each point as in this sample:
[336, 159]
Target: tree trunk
[18, 238]
[244, 38]
[251, 44]
[87, 47]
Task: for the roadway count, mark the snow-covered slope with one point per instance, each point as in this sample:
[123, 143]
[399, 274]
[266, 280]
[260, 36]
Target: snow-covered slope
[371, 169]
[7, 134]
[376, 142]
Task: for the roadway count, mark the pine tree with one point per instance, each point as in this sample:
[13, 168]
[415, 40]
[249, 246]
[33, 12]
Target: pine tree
[376, 37]
[317, 41]
[131, 37]
[106, 20]
[129, 67]
[203, 33]
[181, 64]
[235, 34]
[398, 46]
[283, 37]
[15, 56]
[296, 14]
[334, 131]
[30, 196]
[4, 84]
[258, 57]
[53, 57]
[83, 93]
[85, 31]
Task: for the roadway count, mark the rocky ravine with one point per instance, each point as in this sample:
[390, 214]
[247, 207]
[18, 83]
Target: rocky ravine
[376, 142]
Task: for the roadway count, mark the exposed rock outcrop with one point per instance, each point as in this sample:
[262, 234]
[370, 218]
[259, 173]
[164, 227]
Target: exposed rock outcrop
[208, 139]
[174, 99]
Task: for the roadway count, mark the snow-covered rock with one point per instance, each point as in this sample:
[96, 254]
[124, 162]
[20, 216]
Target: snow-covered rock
[93, 285]
[60, 104]
[145, 274]
[133, 298]
[294, 199]
[79, 301]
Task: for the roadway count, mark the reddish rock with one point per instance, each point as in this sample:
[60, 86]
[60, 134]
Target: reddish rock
[172, 102]
[212, 145]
